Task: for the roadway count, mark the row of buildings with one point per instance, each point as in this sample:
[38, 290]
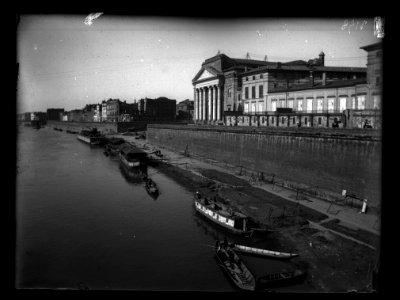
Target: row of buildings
[115, 110]
[243, 92]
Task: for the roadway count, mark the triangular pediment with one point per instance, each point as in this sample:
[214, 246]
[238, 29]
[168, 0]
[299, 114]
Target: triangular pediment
[205, 73]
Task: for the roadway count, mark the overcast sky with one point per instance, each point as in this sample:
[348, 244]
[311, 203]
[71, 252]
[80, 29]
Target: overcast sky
[65, 63]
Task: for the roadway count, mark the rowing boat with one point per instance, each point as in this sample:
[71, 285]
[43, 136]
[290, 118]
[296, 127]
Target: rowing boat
[234, 267]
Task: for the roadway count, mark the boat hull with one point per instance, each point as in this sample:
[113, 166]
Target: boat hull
[216, 218]
[281, 279]
[264, 252]
[235, 269]
[129, 164]
[90, 140]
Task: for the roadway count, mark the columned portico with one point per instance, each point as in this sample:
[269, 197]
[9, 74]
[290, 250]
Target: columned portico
[208, 101]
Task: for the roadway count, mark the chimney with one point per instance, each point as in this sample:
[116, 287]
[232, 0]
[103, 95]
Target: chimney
[324, 78]
[311, 78]
[265, 58]
[322, 59]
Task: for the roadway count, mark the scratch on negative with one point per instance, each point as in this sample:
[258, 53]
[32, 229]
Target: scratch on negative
[90, 18]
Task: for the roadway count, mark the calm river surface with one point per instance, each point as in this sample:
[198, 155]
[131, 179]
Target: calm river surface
[82, 219]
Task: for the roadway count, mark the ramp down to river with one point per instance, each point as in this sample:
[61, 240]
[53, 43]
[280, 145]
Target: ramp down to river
[330, 159]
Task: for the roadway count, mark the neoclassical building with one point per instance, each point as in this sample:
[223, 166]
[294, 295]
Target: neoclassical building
[227, 86]
[217, 87]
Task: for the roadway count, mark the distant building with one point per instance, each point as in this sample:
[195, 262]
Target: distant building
[184, 110]
[88, 112]
[160, 109]
[104, 111]
[98, 113]
[127, 111]
[112, 110]
[75, 115]
[55, 113]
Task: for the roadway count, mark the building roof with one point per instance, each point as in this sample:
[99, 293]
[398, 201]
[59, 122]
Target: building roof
[258, 66]
[372, 47]
[290, 67]
[319, 85]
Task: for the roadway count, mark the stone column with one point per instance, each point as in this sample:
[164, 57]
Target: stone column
[201, 104]
[215, 103]
[209, 103]
[195, 104]
[219, 103]
[204, 104]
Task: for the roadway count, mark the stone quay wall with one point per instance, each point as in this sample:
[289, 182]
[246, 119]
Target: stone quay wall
[327, 159]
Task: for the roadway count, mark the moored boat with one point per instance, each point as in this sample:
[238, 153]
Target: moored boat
[262, 252]
[131, 156]
[151, 187]
[92, 137]
[279, 279]
[224, 216]
[112, 145]
[235, 267]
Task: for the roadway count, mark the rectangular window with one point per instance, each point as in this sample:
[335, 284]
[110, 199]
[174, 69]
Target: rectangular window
[282, 103]
[260, 91]
[377, 80]
[254, 77]
[331, 104]
[246, 92]
[272, 120]
[319, 104]
[260, 107]
[239, 97]
[290, 103]
[361, 102]
[300, 105]
[253, 108]
[229, 93]
[353, 102]
[273, 103]
[305, 121]
[253, 92]
[261, 76]
[319, 121]
[342, 103]
[246, 108]
[377, 101]
[309, 104]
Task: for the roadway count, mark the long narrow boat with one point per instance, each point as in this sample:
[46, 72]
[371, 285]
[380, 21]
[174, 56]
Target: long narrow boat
[263, 252]
[224, 216]
[234, 267]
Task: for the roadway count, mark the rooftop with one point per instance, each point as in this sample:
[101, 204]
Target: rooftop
[319, 85]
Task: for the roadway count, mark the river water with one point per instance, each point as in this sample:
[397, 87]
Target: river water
[83, 221]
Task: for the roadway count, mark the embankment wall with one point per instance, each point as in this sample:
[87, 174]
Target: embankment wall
[329, 159]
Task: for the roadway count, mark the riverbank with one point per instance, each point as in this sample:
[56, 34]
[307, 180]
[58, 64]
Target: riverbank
[337, 245]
